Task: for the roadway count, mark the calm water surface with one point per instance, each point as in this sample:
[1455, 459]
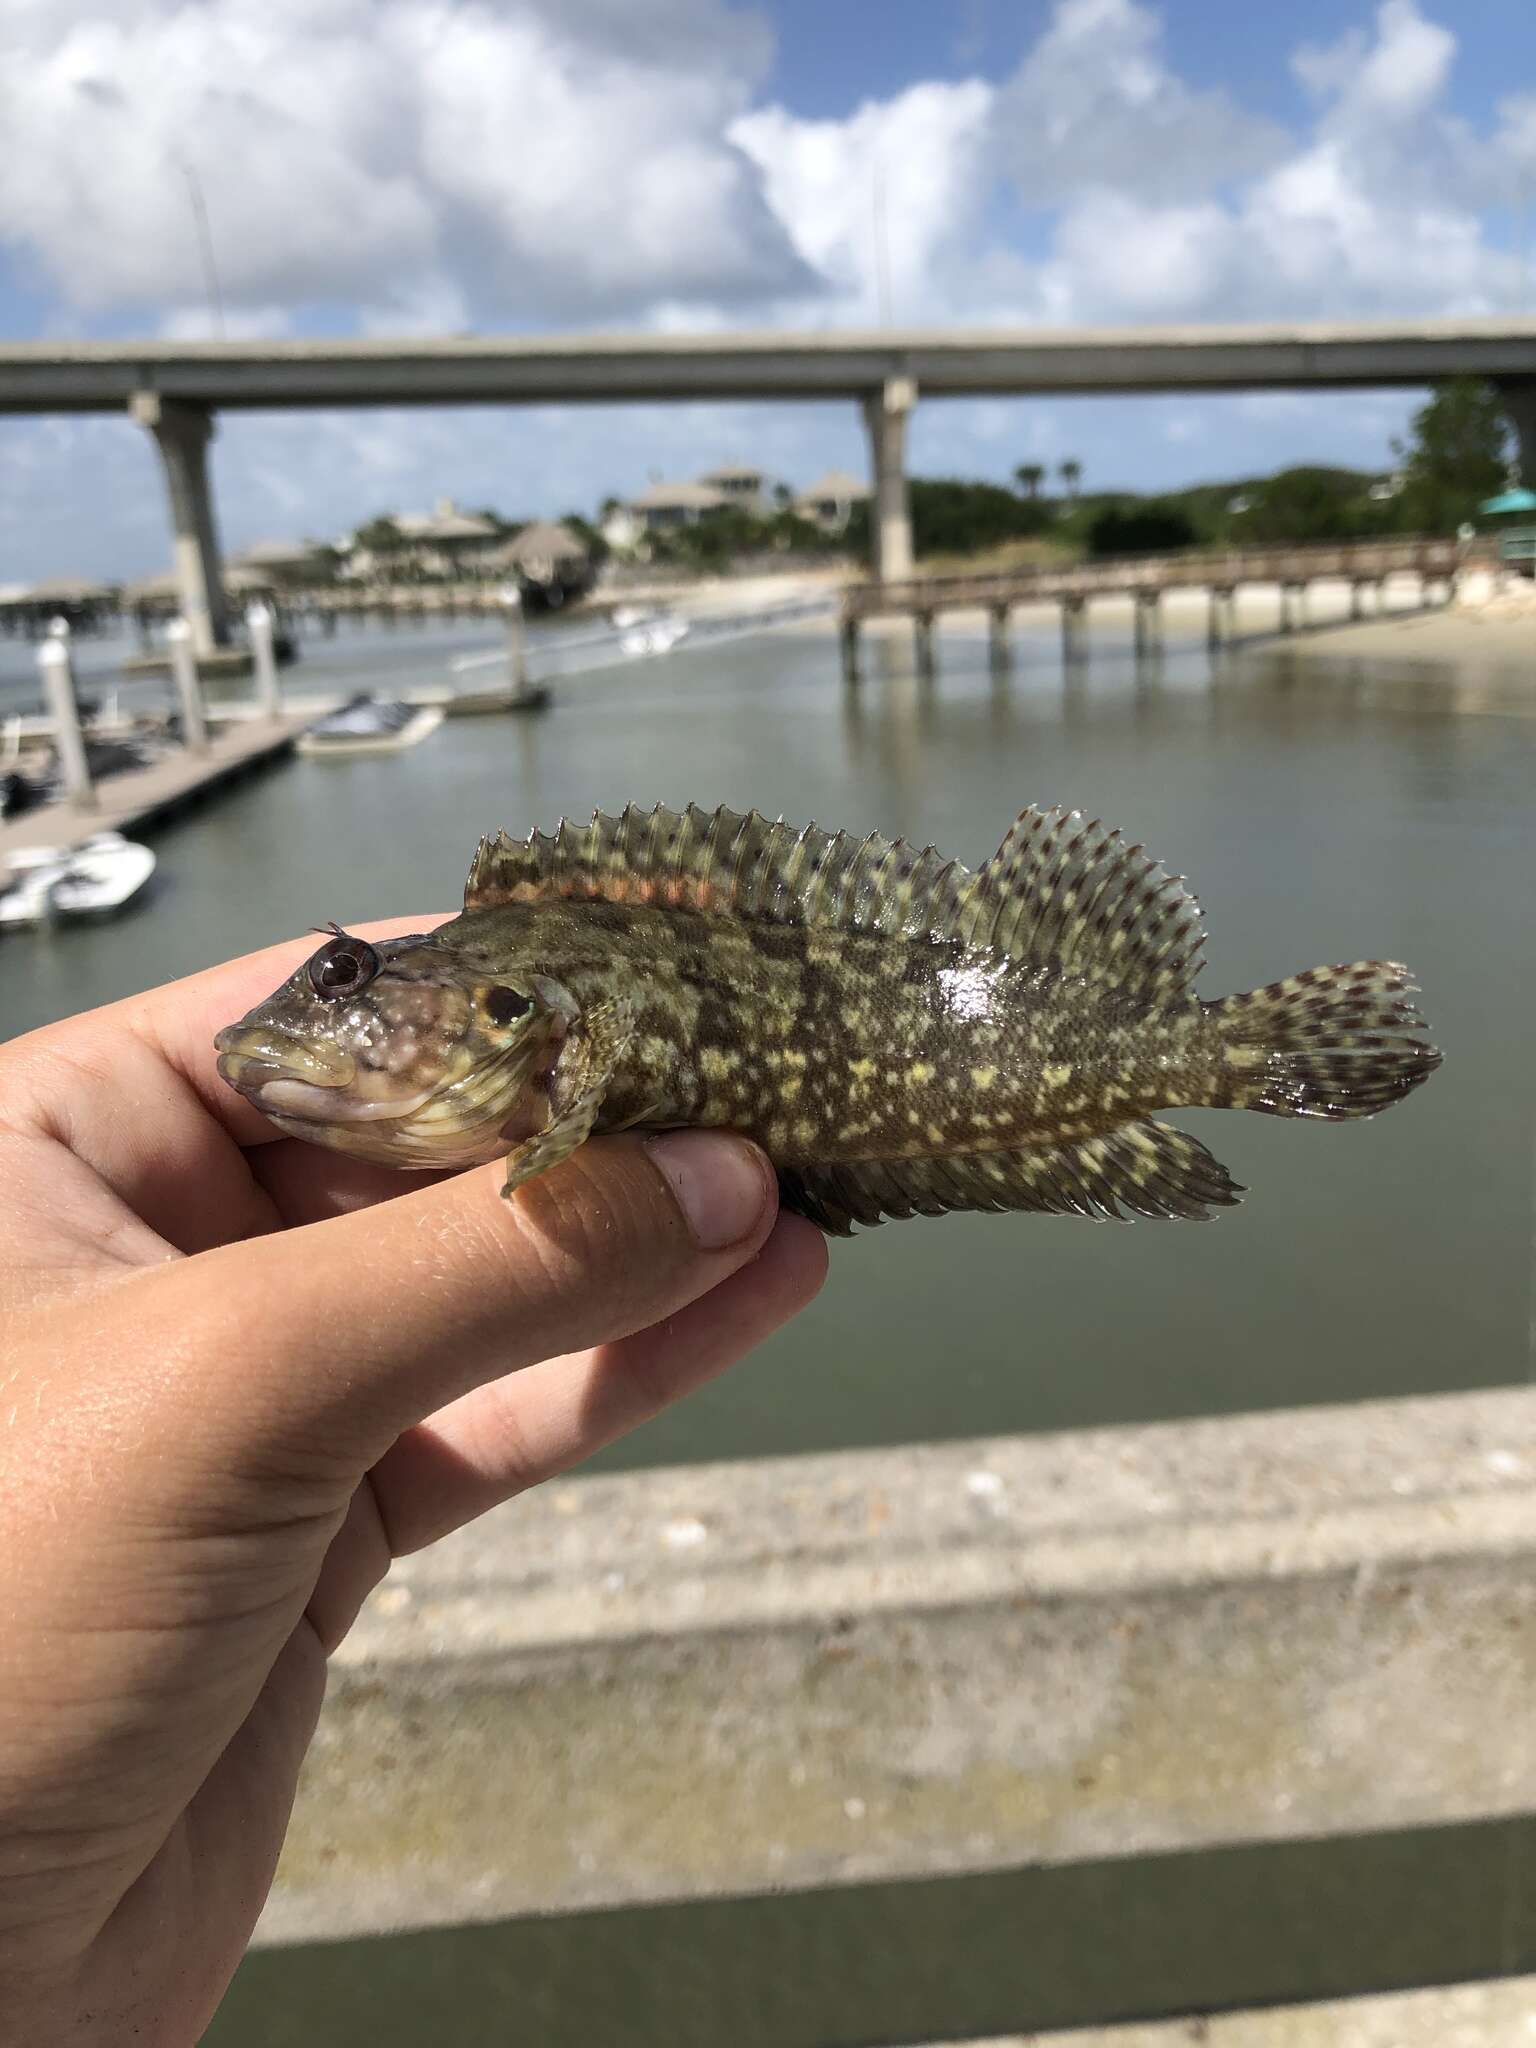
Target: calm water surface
[1322, 812]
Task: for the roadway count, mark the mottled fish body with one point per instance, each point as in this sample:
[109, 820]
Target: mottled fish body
[901, 1034]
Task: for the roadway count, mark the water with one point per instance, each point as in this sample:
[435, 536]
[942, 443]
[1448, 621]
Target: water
[1322, 813]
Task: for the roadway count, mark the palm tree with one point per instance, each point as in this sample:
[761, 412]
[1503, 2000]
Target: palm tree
[1031, 475]
[1071, 475]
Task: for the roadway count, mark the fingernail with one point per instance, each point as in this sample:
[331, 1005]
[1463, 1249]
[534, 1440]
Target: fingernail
[721, 1183]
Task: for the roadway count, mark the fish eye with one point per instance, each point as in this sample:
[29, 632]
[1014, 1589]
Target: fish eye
[504, 1005]
[343, 967]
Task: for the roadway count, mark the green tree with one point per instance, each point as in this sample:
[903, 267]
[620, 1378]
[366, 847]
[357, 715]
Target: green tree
[1458, 455]
[1030, 476]
[1312, 502]
[1071, 472]
[1145, 526]
[379, 535]
[953, 517]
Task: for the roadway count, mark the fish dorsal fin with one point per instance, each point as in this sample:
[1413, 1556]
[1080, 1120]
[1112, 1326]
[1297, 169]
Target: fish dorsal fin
[727, 862]
[1064, 892]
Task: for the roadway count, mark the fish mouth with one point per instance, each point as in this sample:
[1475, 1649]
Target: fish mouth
[256, 1060]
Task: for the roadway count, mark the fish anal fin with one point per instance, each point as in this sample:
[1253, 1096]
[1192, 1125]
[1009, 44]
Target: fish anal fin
[1141, 1169]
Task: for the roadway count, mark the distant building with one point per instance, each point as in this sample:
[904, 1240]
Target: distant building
[829, 502]
[664, 507]
[442, 542]
[739, 484]
[621, 528]
[550, 562]
[283, 562]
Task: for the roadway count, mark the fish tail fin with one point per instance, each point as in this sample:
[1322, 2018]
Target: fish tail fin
[1333, 1042]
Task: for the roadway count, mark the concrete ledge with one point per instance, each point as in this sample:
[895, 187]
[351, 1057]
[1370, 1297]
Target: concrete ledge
[952, 1658]
[1498, 2015]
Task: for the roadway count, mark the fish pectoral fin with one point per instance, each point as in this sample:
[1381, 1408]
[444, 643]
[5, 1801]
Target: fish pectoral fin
[1141, 1169]
[587, 1064]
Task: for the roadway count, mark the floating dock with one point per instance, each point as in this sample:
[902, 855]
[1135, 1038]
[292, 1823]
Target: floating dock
[143, 796]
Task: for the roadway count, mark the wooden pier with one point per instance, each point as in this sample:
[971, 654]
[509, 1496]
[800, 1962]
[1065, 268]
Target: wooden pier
[143, 796]
[1145, 580]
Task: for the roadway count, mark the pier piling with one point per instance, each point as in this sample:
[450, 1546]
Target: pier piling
[258, 619]
[58, 668]
[511, 600]
[922, 635]
[997, 641]
[194, 726]
[1074, 628]
[848, 636]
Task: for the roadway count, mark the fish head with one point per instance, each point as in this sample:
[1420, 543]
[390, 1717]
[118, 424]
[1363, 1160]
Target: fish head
[408, 1051]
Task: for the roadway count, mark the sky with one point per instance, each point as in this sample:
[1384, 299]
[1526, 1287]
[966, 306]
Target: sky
[445, 166]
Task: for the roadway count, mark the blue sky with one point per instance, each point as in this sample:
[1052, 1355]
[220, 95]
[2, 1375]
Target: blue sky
[399, 166]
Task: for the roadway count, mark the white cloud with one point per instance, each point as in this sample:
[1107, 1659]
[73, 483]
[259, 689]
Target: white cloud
[911, 168]
[1094, 106]
[547, 160]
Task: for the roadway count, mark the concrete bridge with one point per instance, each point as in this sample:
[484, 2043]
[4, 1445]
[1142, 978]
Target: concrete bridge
[176, 390]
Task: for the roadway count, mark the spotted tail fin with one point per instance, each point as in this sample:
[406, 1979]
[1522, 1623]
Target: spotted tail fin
[1333, 1042]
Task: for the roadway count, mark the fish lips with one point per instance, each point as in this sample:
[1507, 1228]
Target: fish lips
[255, 1059]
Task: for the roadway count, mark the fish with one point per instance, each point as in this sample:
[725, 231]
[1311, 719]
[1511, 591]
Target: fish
[902, 1035]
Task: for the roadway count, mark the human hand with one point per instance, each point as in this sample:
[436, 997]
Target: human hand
[238, 1375]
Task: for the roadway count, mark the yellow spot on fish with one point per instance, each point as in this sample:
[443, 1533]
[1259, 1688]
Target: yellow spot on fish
[983, 1077]
[1056, 1077]
[921, 1071]
[936, 1134]
[861, 1070]
[716, 1064]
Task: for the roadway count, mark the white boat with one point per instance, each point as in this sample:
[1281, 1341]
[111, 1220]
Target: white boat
[92, 879]
[659, 636]
[371, 725]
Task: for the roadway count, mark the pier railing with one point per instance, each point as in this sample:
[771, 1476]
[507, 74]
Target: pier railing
[1218, 569]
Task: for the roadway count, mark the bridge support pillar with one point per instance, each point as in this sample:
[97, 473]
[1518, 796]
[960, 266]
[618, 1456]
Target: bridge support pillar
[182, 433]
[1288, 608]
[890, 525]
[1357, 600]
[997, 638]
[1519, 396]
[1149, 623]
[922, 634]
[1074, 628]
[848, 635]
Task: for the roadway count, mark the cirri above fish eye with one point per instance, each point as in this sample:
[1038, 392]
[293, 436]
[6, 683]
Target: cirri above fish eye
[343, 967]
[901, 1034]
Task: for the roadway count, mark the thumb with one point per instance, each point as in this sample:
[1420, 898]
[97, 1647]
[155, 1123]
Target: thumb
[342, 1334]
